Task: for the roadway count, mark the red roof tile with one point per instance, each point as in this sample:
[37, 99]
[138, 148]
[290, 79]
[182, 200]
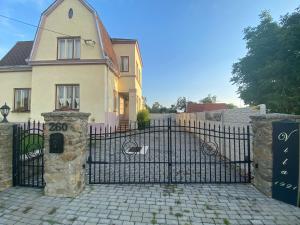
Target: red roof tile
[203, 107]
[107, 45]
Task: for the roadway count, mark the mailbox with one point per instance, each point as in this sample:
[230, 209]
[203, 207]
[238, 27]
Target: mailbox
[56, 143]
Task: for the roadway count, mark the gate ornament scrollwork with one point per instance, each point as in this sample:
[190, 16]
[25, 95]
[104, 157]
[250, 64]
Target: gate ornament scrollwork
[210, 148]
[127, 145]
[33, 150]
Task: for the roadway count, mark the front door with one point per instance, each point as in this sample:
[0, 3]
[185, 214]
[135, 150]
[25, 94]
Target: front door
[124, 108]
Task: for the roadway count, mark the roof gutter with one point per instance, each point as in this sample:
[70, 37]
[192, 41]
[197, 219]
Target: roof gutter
[15, 68]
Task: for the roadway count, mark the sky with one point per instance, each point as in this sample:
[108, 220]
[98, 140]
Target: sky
[188, 46]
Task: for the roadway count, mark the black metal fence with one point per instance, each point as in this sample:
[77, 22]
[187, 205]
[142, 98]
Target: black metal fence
[28, 155]
[170, 152]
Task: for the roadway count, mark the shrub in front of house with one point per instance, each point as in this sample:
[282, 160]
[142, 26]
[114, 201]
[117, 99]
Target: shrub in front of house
[143, 119]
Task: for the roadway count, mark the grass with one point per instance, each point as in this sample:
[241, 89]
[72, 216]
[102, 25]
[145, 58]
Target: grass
[52, 211]
[154, 221]
[51, 222]
[226, 222]
[178, 202]
[31, 142]
[179, 215]
[27, 209]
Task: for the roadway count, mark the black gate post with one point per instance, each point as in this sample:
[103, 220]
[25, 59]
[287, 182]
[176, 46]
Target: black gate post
[249, 156]
[169, 151]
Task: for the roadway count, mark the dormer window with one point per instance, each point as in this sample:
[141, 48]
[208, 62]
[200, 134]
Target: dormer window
[68, 48]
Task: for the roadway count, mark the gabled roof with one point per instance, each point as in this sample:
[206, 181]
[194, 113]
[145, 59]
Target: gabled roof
[18, 55]
[107, 44]
[103, 35]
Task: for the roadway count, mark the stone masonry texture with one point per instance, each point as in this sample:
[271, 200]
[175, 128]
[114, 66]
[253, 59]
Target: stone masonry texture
[6, 151]
[262, 149]
[65, 173]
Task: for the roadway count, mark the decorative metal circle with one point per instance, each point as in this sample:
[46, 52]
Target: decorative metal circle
[210, 148]
[128, 145]
[71, 13]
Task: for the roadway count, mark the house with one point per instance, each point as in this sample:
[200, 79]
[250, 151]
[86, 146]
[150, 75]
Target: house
[204, 107]
[73, 65]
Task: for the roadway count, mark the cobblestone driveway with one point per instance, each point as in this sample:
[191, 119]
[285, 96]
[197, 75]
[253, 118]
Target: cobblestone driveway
[147, 204]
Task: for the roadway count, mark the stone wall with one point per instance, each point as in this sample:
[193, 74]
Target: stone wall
[162, 116]
[262, 149]
[6, 152]
[65, 173]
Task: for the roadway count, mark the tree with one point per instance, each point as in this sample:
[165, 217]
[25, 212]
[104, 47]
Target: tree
[231, 106]
[270, 72]
[181, 104]
[173, 109]
[209, 99]
[156, 107]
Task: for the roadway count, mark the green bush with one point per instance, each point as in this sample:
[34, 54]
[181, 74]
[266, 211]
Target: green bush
[143, 119]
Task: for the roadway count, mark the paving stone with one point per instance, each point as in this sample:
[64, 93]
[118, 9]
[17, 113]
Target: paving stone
[145, 204]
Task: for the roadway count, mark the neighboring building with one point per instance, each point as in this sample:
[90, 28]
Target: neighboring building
[76, 67]
[204, 107]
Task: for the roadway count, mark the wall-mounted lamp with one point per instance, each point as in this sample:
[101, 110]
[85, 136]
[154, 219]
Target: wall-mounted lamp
[4, 111]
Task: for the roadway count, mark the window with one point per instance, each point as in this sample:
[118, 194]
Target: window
[22, 100]
[124, 63]
[67, 97]
[115, 101]
[68, 48]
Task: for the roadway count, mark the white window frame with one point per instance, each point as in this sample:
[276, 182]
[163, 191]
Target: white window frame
[76, 52]
[64, 102]
[21, 107]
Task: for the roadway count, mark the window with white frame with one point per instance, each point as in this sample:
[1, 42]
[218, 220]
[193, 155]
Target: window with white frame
[68, 48]
[22, 100]
[67, 97]
[124, 63]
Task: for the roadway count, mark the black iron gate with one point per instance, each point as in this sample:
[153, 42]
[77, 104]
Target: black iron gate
[28, 155]
[170, 152]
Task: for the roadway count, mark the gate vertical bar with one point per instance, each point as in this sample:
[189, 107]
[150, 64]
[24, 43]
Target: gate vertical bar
[15, 155]
[90, 155]
[169, 152]
[249, 158]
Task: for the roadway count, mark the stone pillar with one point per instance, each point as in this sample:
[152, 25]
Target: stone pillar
[65, 172]
[6, 154]
[262, 149]
[132, 105]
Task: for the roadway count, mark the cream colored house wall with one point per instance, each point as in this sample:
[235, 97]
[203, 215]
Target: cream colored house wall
[10, 81]
[97, 82]
[82, 24]
[112, 86]
[129, 80]
[89, 77]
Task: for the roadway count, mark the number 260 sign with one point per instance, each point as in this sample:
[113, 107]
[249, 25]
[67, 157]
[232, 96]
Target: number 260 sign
[58, 127]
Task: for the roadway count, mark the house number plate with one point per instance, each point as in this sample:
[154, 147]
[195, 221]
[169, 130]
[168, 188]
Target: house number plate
[58, 126]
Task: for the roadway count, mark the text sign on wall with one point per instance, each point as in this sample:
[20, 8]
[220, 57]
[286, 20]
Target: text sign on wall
[285, 161]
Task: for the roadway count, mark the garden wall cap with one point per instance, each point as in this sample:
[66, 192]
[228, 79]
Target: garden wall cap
[66, 114]
[9, 124]
[275, 116]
